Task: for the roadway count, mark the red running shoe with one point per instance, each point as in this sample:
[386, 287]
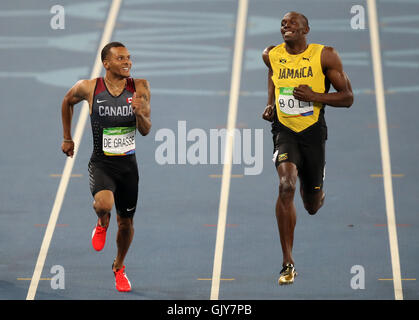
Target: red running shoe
[99, 237]
[122, 283]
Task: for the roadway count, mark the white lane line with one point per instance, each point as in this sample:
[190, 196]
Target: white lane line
[231, 124]
[84, 113]
[385, 150]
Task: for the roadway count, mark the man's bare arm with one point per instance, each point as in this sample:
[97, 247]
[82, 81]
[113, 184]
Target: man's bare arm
[268, 113]
[76, 94]
[333, 70]
[141, 106]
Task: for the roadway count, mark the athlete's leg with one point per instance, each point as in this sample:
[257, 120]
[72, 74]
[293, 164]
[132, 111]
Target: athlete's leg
[102, 204]
[311, 176]
[126, 197]
[123, 239]
[102, 187]
[285, 209]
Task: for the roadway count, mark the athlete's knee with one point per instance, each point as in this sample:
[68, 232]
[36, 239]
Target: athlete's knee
[125, 223]
[314, 203]
[103, 202]
[287, 186]
[311, 208]
[103, 206]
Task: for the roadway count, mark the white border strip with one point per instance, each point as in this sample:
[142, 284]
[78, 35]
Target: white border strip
[84, 113]
[385, 150]
[231, 124]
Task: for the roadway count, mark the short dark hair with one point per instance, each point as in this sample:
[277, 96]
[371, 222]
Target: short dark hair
[108, 47]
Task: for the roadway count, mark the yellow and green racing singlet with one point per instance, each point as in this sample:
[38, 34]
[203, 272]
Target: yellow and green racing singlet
[290, 71]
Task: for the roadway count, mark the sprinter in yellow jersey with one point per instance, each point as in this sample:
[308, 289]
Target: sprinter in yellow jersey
[299, 78]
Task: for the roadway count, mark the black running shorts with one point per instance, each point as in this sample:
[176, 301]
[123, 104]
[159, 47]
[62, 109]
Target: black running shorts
[119, 175]
[306, 151]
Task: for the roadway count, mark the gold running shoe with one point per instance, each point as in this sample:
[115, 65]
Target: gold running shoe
[287, 274]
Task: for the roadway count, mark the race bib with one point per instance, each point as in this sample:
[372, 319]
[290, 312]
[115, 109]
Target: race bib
[291, 106]
[118, 141]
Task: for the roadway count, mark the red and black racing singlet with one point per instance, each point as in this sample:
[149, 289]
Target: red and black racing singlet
[113, 121]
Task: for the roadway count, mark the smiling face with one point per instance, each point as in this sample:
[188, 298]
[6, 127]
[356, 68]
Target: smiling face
[294, 27]
[118, 61]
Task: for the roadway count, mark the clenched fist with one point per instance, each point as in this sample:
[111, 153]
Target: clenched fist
[68, 148]
[268, 113]
[140, 104]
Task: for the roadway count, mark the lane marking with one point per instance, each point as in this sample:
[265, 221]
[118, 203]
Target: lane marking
[84, 113]
[385, 150]
[45, 225]
[57, 175]
[394, 175]
[28, 279]
[240, 125]
[375, 126]
[231, 176]
[222, 279]
[227, 225]
[412, 279]
[231, 124]
[399, 225]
